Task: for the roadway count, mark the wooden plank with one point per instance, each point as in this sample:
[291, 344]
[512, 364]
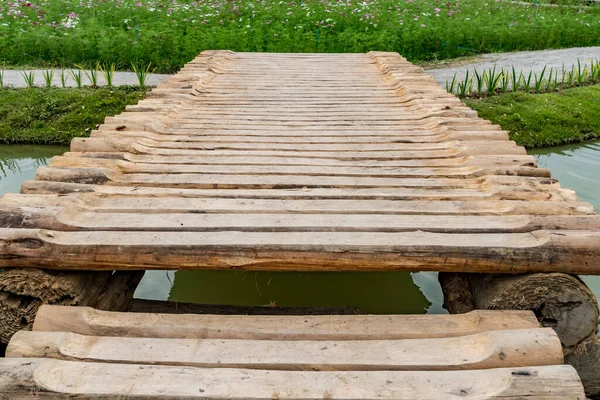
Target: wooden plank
[390, 138]
[149, 205]
[120, 166]
[574, 252]
[57, 379]
[518, 192]
[68, 219]
[273, 181]
[88, 321]
[149, 147]
[475, 161]
[494, 349]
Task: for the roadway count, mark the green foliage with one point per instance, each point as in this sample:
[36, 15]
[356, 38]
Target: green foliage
[548, 119]
[77, 76]
[92, 75]
[169, 33]
[142, 74]
[63, 78]
[55, 116]
[108, 72]
[48, 75]
[490, 82]
[29, 78]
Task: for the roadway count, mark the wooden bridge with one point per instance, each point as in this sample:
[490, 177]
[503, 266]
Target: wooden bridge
[305, 162]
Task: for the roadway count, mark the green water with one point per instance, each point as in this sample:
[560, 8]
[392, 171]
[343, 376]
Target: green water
[577, 167]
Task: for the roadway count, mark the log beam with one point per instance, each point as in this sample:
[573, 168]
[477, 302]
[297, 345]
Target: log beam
[23, 291]
[560, 301]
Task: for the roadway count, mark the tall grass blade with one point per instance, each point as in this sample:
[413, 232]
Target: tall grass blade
[108, 73]
[91, 74]
[527, 82]
[464, 87]
[581, 73]
[516, 82]
[48, 75]
[505, 82]
[142, 73]
[538, 83]
[77, 77]
[29, 78]
[492, 80]
[63, 78]
[478, 81]
[571, 76]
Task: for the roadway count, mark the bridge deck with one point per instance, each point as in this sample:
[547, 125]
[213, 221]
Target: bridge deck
[298, 162]
[78, 352]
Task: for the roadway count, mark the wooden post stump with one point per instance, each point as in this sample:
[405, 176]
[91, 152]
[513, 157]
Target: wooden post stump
[560, 301]
[23, 291]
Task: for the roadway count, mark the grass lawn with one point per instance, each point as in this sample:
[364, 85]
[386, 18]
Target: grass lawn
[543, 120]
[169, 33]
[55, 116]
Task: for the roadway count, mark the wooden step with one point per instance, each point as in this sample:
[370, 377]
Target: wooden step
[84, 353]
[57, 379]
[88, 321]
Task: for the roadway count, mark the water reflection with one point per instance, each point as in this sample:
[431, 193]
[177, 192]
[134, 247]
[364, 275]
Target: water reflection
[371, 292]
[19, 163]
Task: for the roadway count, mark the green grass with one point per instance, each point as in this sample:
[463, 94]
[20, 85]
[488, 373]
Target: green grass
[543, 120]
[55, 116]
[169, 33]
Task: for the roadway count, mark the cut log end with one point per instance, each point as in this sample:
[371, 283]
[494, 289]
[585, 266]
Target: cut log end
[560, 301]
[23, 291]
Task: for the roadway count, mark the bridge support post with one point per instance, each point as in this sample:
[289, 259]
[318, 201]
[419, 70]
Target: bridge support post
[560, 301]
[24, 290]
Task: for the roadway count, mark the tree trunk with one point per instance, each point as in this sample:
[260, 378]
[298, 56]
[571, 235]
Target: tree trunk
[560, 301]
[22, 291]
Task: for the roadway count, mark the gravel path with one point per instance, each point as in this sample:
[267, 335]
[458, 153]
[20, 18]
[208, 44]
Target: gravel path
[524, 61]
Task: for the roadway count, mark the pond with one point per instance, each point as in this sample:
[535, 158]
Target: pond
[575, 166]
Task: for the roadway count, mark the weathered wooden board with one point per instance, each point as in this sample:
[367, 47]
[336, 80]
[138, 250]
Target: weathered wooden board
[149, 205]
[527, 191]
[21, 378]
[536, 251]
[495, 349]
[72, 219]
[311, 162]
[88, 321]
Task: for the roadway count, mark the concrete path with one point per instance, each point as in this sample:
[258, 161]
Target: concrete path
[523, 61]
[14, 78]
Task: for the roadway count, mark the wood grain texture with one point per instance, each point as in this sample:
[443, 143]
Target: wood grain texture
[496, 349]
[298, 162]
[89, 321]
[19, 378]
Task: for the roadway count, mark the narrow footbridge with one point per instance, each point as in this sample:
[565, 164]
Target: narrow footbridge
[295, 162]
[298, 162]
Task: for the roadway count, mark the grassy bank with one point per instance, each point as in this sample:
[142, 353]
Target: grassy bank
[55, 116]
[543, 120]
[169, 33]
